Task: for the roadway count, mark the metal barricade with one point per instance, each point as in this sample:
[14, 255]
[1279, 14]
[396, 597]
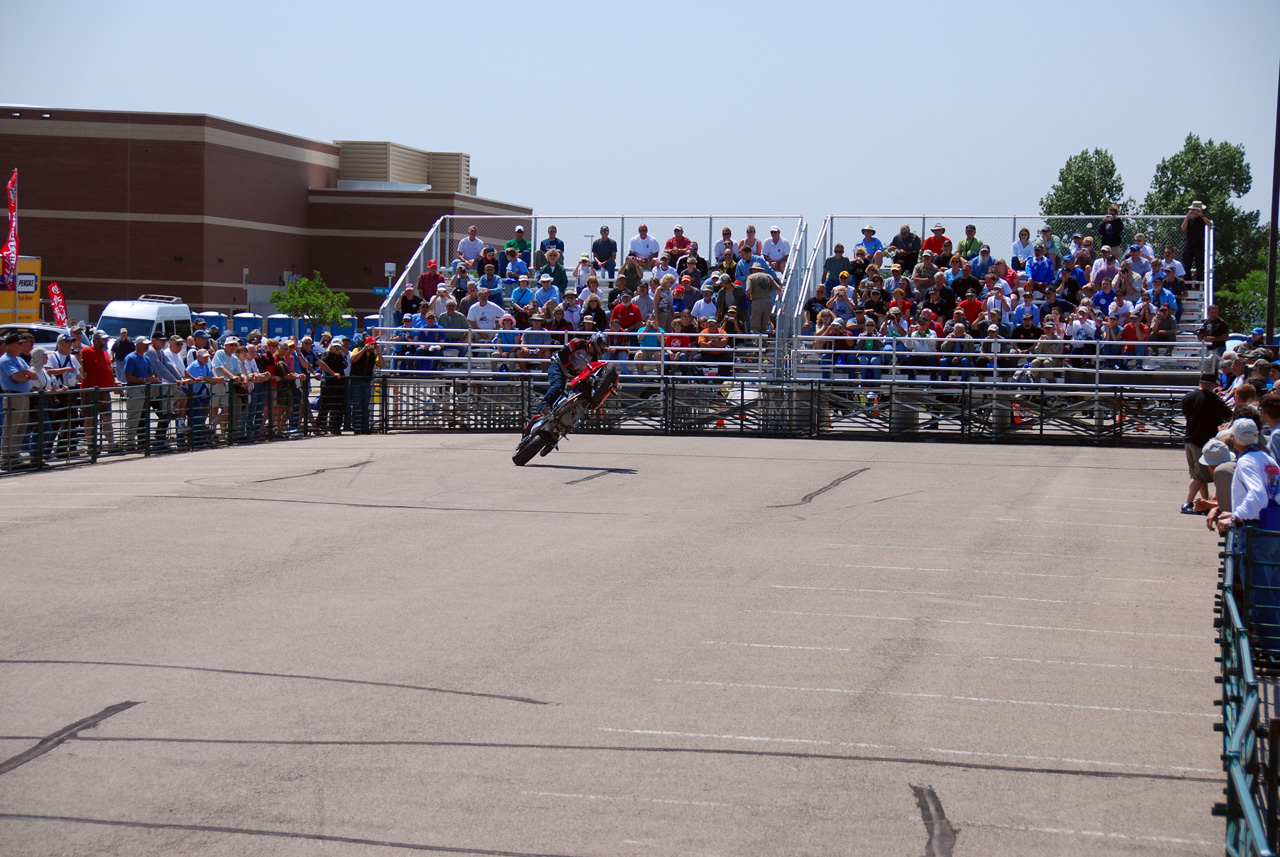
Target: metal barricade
[1246, 832]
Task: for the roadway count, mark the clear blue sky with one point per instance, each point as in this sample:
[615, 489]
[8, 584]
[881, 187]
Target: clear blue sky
[657, 107]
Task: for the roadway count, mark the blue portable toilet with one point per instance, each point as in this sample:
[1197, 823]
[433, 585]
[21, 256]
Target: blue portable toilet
[213, 318]
[346, 327]
[371, 322]
[281, 326]
[244, 322]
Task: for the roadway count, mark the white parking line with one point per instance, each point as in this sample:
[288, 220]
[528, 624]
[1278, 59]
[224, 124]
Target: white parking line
[1002, 573]
[958, 595]
[904, 694]
[862, 745]
[1097, 834]
[1093, 524]
[966, 551]
[984, 624]
[961, 657]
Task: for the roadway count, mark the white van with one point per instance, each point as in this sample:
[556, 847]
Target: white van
[147, 316]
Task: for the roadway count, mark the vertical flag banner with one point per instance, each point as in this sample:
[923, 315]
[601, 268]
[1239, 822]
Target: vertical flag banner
[9, 256]
[59, 305]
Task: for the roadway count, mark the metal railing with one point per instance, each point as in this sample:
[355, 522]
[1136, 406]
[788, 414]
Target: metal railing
[44, 429]
[480, 354]
[948, 359]
[886, 410]
[1246, 831]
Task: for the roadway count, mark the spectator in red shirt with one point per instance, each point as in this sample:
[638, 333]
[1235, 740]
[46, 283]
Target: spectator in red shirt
[1135, 331]
[972, 305]
[934, 241]
[677, 244]
[99, 380]
[429, 279]
[627, 313]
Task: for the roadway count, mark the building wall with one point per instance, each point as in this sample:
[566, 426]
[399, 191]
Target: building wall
[121, 204]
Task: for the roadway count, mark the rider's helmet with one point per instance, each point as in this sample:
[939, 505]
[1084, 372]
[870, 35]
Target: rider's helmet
[599, 343]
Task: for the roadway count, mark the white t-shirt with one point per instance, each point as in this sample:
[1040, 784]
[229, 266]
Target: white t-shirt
[775, 252]
[704, 308]
[485, 316]
[65, 379]
[645, 248]
[470, 248]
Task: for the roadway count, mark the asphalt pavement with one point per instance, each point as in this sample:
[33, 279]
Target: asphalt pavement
[634, 646]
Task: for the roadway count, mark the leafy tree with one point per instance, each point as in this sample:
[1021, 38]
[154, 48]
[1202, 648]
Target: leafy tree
[310, 299]
[1215, 174]
[1087, 184]
[1243, 304]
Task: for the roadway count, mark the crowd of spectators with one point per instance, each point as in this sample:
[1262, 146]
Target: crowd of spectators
[158, 393]
[659, 301]
[946, 308]
[1232, 446]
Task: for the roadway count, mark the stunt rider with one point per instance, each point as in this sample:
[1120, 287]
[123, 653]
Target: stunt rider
[569, 360]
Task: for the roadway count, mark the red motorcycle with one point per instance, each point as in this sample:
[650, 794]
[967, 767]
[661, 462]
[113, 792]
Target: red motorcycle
[586, 392]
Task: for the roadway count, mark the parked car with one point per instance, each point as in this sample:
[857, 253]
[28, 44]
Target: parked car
[46, 334]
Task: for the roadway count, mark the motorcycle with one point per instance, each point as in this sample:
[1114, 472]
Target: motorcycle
[584, 393]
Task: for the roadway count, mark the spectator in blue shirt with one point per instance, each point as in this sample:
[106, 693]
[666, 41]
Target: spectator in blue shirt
[873, 245]
[983, 262]
[522, 294]
[1040, 267]
[490, 280]
[1026, 307]
[512, 265]
[548, 243]
[743, 270]
[15, 380]
[546, 291]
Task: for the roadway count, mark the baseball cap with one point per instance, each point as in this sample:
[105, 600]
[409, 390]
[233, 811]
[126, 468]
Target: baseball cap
[1245, 431]
[1257, 331]
[1216, 452]
[65, 337]
[141, 340]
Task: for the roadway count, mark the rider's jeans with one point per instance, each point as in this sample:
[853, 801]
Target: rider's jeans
[555, 383]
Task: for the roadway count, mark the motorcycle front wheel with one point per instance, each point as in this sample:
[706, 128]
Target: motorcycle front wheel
[528, 448]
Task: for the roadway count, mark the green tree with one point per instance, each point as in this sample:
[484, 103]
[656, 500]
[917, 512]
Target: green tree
[1087, 184]
[1243, 304]
[1215, 174]
[311, 299]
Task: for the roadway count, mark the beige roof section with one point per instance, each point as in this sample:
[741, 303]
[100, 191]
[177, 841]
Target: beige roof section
[383, 161]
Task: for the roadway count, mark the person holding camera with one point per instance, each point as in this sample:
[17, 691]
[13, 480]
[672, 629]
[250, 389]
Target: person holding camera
[1195, 224]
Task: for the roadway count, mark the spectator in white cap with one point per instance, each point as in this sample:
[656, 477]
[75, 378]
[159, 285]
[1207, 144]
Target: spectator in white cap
[546, 291]
[1257, 476]
[776, 249]
[1221, 463]
[521, 245]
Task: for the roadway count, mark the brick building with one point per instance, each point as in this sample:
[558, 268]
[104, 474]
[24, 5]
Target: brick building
[217, 212]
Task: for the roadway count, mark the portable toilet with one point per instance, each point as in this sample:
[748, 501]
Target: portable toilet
[244, 322]
[346, 327]
[281, 326]
[213, 318]
[370, 323]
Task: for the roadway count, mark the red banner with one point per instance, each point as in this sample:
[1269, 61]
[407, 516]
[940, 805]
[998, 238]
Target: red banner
[58, 304]
[9, 255]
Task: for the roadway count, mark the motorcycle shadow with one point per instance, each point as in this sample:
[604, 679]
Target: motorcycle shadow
[623, 471]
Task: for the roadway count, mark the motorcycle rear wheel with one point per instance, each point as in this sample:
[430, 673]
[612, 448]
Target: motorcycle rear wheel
[528, 448]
